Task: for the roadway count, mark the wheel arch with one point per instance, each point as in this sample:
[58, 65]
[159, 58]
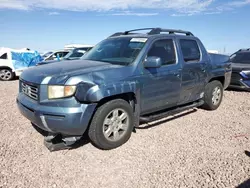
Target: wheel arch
[130, 97]
[221, 79]
[6, 67]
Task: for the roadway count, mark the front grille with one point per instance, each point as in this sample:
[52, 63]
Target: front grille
[29, 90]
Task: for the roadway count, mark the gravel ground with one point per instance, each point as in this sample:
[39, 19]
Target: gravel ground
[200, 149]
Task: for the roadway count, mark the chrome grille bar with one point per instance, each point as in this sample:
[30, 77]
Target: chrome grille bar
[31, 91]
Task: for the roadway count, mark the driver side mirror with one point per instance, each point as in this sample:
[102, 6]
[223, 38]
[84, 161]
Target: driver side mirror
[152, 62]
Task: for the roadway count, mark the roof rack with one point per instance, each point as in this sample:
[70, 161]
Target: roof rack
[244, 49]
[154, 31]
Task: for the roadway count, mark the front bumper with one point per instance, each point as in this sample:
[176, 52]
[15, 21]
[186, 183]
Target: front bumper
[243, 85]
[239, 82]
[68, 121]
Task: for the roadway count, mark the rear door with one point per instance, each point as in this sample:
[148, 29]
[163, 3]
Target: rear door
[193, 70]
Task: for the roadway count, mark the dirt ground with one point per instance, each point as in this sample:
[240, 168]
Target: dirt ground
[198, 149]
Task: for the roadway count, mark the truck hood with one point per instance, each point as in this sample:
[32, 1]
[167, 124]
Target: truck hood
[60, 72]
[55, 61]
[240, 66]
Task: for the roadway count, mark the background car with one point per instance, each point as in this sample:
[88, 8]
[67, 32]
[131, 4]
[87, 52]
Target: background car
[57, 54]
[241, 69]
[74, 54]
[14, 61]
[46, 54]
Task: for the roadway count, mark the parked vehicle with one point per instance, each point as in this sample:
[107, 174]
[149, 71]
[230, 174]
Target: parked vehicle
[74, 54]
[82, 46]
[13, 62]
[241, 70]
[46, 54]
[57, 55]
[125, 79]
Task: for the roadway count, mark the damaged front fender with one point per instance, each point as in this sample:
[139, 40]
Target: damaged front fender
[88, 92]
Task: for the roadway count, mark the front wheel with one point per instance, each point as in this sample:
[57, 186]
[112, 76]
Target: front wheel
[6, 74]
[213, 95]
[112, 124]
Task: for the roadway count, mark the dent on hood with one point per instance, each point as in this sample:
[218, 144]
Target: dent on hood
[94, 78]
[102, 76]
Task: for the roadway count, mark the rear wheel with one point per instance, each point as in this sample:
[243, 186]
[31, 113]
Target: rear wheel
[112, 124]
[6, 74]
[213, 95]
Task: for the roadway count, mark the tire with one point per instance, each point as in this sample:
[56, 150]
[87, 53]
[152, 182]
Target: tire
[99, 131]
[212, 101]
[6, 74]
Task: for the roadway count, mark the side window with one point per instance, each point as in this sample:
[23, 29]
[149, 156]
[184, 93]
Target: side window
[4, 56]
[190, 50]
[64, 54]
[59, 54]
[165, 50]
[55, 55]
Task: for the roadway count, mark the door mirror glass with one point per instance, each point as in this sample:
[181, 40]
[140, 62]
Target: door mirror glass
[152, 62]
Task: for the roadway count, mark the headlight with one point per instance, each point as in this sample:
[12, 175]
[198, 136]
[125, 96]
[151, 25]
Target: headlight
[247, 73]
[55, 92]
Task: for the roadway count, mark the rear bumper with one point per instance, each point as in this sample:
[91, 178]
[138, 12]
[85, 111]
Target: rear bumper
[59, 120]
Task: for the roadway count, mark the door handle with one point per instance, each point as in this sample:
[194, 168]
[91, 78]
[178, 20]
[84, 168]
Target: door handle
[177, 74]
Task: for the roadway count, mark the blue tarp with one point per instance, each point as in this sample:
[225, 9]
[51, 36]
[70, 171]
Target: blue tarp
[25, 59]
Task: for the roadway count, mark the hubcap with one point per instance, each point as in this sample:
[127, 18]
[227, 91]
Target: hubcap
[115, 124]
[216, 96]
[5, 74]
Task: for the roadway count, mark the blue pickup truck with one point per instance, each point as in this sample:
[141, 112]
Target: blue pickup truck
[128, 78]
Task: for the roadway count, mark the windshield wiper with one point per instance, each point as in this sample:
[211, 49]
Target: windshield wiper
[115, 62]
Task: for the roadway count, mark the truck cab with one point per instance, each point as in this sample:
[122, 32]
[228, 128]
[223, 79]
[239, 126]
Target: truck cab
[124, 80]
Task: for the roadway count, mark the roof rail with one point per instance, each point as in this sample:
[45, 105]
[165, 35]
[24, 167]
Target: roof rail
[170, 31]
[244, 49]
[127, 32]
[116, 34]
[154, 31]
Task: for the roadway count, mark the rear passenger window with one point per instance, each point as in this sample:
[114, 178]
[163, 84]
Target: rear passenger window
[4, 56]
[190, 50]
[165, 50]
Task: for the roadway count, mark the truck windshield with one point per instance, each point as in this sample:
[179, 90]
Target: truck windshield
[122, 51]
[243, 57]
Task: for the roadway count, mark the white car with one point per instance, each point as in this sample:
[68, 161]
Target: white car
[57, 54]
[14, 62]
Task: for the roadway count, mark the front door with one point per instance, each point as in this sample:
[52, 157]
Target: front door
[161, 86]
[193, 71]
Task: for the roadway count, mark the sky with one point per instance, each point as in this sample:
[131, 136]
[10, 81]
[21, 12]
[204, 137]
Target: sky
[45, 25]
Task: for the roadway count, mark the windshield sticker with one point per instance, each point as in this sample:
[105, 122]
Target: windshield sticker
[138, 40]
